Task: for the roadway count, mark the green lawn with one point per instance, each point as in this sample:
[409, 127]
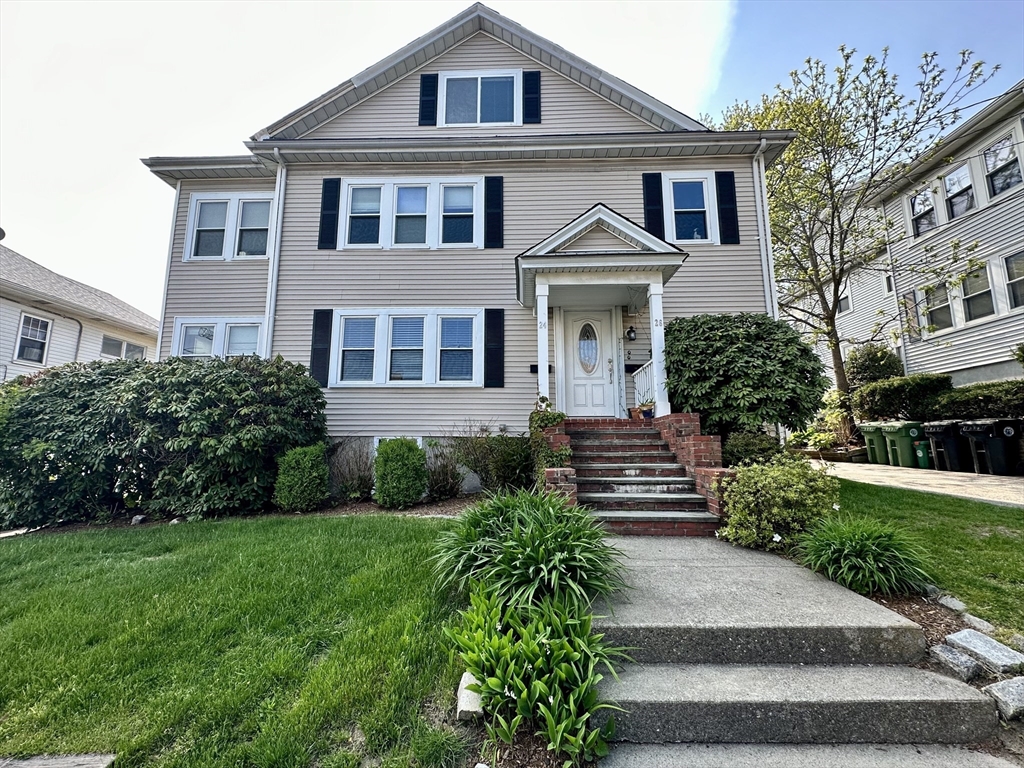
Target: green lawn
[259, 642]
[977, 549]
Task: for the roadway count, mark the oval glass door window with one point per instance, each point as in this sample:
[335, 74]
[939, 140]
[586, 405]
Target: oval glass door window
[587, 348]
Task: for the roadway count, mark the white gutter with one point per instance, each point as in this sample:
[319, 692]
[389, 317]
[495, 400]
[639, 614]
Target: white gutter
[273, 268]
[764, 228]
[167, 273]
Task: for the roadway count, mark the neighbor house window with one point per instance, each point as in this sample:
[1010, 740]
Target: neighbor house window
[922, 212]
[1002, 167]
[887, 282]
[689, 212]
[1015, 279]
[481, 98]
[33, 339]
[207, 337]
[408, 347]
[937, 308]
[228, 226]
[977, 296]
[959, 192]
[125, 350]
[413, 213]
[844, 305]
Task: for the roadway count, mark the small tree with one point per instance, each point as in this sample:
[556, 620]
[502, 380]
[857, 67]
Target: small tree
[741, 372]
[871, 362]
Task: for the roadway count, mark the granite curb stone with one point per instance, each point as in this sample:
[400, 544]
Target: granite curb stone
[959, 664]
[1009, 696]
[952, 603]
[979, 624]
[993, 654]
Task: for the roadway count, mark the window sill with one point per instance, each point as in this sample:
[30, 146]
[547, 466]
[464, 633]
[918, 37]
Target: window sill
[29, 363]
[479, 125]
[406, 385]
[222, 260]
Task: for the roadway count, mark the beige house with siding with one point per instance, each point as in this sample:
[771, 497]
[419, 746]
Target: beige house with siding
[480, 206]
[47, 319]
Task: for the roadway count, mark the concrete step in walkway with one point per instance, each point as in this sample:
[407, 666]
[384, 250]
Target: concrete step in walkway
[642, 501]
[796, 704]
[633, 485]
[798, 756]
[590, 458]
[704, 601]
[638, 470]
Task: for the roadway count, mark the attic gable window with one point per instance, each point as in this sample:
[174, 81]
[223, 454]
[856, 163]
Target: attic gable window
[485, 97]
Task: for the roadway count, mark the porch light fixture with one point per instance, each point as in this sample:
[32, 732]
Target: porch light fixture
[631, 334]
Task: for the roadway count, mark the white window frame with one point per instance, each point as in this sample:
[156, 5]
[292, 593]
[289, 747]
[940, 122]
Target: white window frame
[849, 304]
[935, 209]
[888, 284]
[926, 310]
[232, 223]
[1012, 135]
[963, 296]
[15, 357]
[220, 332]
[389, 205]
[123, 343]
[442, 95]
[431, 346]
[710, 205]
[947, 212]
[1006, 281]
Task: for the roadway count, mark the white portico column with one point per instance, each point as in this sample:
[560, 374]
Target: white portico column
[542, 341]
[661, 404]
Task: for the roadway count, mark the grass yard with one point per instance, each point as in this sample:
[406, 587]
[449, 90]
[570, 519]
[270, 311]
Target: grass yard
[252, 642]
[977, 550]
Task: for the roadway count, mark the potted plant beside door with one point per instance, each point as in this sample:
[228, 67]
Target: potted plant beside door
[646, 409]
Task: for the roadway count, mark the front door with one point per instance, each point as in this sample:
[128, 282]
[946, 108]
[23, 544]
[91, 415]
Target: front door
[589, 364]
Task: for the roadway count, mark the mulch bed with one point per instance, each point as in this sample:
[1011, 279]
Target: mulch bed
[936, 620]
[526, 751]
[446, 508]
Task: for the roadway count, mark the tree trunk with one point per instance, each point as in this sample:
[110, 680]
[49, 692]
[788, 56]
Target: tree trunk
[842, 383]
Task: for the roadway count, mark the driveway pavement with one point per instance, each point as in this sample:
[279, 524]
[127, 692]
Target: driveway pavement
[993, 489]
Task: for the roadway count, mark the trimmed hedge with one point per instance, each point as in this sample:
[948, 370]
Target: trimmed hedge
[302, 479]
[399, 473]
[87, 441]
[749, 448]
[871, 362]
[931, 397]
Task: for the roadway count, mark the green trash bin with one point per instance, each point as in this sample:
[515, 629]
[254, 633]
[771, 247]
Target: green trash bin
[877, 452]
[899, 440]
[923, 453]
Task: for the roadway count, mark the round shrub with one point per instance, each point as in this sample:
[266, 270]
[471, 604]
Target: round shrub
[741, 371]
[302, 479]
[865, 555]
[768, 504]
[871, 362]
[399, 473]
[525, 546]
[749, 448]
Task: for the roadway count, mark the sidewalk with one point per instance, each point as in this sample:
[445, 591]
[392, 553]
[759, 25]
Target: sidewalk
[1008, 491]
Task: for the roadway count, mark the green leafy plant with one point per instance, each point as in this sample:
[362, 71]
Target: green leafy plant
[540, 665]
[871, 362]
[865, 555]
[1018, 353]
[822, 441]
[501, 460]
[749, 448]
[544, 457]
[769, 504]
[907, 397]
[990, 400]
[400, 473]
[835, 417]
[444, 474]
[525, 546]
[751, 370]
[800, 439]
[302, 479]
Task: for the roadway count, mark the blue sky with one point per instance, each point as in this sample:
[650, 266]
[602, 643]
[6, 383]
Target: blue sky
[88, 87]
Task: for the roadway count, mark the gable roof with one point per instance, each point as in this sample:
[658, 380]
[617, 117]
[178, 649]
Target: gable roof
[24, 276]
[600, 215]
[476, 18]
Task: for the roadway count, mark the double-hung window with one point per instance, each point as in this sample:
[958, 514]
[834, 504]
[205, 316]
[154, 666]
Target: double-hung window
[206, 337]
[124, 350]
[228, 226]
[488, 97]
[408, 347]
[1015, 279]
[959, 192]
[1002, 166]
[977, 296]
[690, 212]
[922, 212]
[413, 213]
[33, 339]
[938, 312]
[844, 305]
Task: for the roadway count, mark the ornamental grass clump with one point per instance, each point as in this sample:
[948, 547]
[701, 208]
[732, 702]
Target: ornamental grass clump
[526, 546]
[865, 555]
[769, 504]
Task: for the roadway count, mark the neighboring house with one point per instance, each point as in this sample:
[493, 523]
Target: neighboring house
[47, 319]
[971, 191]
[477, 207]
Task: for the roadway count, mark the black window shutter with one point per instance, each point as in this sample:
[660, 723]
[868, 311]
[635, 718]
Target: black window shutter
[654, 207]
[428, 99]
[320, 350]
[330, 200]
[494, 212]
[494, 347]
[531, 97]
[728, 218]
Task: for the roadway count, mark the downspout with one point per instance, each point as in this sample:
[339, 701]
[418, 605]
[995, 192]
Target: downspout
[275, 255]
[167, 273]
[771, 296]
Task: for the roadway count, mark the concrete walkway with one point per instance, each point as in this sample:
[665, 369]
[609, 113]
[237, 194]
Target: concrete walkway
[1008, 491]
